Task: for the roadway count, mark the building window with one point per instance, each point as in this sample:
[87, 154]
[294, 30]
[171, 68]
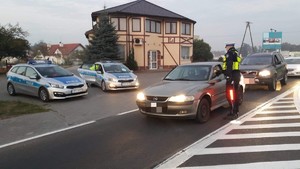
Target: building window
[136, 25]
[171, 28]
[185, 28]
[121, 52]
[119, 23]
[185, 52]
[152, 26]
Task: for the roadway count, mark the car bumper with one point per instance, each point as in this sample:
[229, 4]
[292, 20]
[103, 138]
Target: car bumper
[257, 80]
[293, 73]
[167, 109]
[122, 86]
[55, 93]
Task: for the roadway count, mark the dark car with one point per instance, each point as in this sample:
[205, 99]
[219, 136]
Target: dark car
[264, 69]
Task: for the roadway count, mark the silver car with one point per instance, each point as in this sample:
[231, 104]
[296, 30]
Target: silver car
[188, 91]
[293, 66]
[45, 80]
[109, 75]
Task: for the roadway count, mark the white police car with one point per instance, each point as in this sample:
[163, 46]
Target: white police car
[45, 80]
[109, 75]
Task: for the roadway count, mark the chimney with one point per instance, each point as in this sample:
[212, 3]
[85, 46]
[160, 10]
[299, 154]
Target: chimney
[61, 44]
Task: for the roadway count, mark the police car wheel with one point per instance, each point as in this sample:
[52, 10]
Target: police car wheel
[11, 89]
[43, 94]
[203, 111]
[103, 86]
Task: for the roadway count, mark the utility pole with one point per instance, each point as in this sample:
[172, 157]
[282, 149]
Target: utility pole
[247, 27]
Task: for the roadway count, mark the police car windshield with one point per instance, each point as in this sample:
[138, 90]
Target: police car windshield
[115, 68]
[53, 71]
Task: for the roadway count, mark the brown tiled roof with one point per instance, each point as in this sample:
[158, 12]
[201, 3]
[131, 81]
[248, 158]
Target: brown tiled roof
[143, 8]
[66, 49]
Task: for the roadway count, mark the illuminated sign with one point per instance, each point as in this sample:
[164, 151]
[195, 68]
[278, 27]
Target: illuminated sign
[272, 40]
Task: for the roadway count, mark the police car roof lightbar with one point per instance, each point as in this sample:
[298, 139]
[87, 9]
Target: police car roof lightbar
[35, 62]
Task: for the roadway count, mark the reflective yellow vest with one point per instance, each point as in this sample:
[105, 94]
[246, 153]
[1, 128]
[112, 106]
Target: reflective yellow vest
[94, 67]
[235, 65]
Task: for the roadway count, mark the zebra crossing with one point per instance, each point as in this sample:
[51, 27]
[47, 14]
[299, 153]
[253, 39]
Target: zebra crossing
[266, 137]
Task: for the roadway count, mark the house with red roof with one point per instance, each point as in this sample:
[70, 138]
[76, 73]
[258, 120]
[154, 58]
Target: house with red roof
[65, 50]
[58, 53]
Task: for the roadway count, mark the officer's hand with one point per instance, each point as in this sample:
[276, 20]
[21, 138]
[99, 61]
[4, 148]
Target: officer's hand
[228, 78]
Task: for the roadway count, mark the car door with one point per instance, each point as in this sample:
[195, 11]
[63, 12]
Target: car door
[99, 74]
[280, 67]
[218, 87]
[31, 81]
[86, 73]
[19, 80]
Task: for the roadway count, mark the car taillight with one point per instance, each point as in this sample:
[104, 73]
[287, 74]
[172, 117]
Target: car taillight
[231, 94]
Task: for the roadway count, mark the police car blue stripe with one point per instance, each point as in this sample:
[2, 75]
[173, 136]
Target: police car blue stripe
[68, 79]
[122, 75]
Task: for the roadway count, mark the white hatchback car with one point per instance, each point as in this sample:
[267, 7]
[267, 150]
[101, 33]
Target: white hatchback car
[293, 66]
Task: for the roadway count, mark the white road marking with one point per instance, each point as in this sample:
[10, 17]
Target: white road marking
[261, 135]
[57, 131]
[278, 106]
[199, 147]
[248, 149]
[274, 118]
[130, 111]
[46, 134]
[259, 126]
[281, 111]
[273, 165]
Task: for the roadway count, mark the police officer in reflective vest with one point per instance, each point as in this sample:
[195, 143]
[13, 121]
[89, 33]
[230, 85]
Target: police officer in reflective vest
[231, 64]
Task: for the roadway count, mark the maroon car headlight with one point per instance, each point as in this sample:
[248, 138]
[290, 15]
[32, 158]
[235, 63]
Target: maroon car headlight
[140, 96]
[181, 98]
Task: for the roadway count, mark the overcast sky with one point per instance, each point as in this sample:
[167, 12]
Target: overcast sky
[218, 21]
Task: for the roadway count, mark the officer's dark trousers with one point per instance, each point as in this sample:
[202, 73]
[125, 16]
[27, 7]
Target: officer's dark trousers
[236, 76]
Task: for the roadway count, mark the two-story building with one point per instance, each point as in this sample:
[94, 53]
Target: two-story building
[160, 38]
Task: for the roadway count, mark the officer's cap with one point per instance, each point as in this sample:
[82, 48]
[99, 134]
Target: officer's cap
[229, 44]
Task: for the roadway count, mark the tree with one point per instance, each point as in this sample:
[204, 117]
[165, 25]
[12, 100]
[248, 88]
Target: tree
[104, 43]
[201, 51]
[39, 48]
[130, 62]
[13, 42]
[290, 47]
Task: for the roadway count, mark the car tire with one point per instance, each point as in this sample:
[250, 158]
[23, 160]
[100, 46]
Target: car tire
[241, 96]
[103, 86]
[284, 80]
[11, 89]
[273, 85]
[44, 95]
[203, 111]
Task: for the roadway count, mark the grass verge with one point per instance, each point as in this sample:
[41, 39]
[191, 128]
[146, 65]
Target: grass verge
[16, 108]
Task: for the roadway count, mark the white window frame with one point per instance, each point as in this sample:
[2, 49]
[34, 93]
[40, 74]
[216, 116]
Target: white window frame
[185, 52]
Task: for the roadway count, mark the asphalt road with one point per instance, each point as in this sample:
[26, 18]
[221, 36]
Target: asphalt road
[125, 141]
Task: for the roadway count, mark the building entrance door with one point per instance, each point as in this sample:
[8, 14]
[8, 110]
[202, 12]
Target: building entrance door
[152, 60]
